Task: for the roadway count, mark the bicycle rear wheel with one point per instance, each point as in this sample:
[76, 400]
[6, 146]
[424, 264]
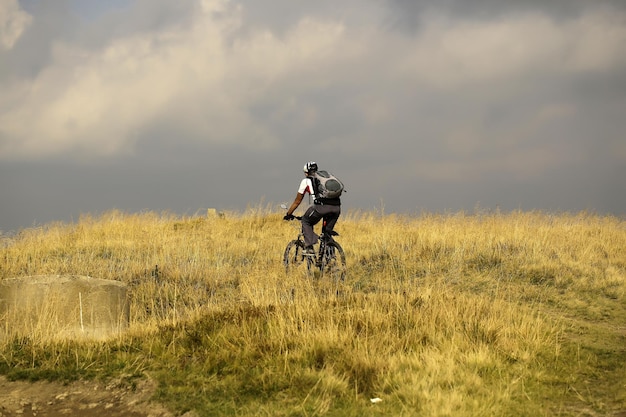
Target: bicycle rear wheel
[334, 262]
[294, 258]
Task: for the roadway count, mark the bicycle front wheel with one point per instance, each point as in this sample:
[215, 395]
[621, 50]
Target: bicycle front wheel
[294, 258]
[334, 262]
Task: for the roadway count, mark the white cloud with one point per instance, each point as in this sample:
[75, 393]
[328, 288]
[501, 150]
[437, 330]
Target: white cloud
[192, 79]
[13, 22]
[449, 53]
[201, 80]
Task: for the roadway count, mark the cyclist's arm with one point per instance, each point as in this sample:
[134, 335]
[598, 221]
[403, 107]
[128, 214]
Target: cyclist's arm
[295, 204]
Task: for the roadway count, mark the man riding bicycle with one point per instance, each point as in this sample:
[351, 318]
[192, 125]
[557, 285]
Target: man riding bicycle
[328, 209]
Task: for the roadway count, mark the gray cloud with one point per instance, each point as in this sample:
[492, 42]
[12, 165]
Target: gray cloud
[13, 22]
[147, 103]
[410, 14]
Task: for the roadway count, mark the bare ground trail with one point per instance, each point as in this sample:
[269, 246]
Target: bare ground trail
[80, 398]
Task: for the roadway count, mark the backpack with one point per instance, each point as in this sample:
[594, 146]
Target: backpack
[327, 185]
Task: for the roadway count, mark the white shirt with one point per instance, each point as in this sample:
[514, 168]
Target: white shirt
[306, 186]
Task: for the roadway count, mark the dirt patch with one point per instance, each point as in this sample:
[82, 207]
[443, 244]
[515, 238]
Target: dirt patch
[80, 398]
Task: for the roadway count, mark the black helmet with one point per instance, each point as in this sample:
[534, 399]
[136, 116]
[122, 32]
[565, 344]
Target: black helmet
[310, 167]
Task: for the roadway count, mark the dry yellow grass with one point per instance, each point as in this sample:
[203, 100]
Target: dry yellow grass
[440, 315]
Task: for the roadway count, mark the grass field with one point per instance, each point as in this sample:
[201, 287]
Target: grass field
[488, 314]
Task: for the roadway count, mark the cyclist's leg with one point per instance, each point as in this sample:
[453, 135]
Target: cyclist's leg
[310, 218]
[331, 215]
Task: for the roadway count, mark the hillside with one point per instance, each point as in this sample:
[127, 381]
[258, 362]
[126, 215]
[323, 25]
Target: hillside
[517, 314]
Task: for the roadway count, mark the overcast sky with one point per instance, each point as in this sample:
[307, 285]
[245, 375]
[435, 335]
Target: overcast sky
[437, 106]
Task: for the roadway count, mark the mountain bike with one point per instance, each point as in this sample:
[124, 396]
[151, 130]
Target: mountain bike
[329, 259]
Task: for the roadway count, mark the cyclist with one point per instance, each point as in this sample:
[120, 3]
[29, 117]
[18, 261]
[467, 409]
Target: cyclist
[328, 209]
